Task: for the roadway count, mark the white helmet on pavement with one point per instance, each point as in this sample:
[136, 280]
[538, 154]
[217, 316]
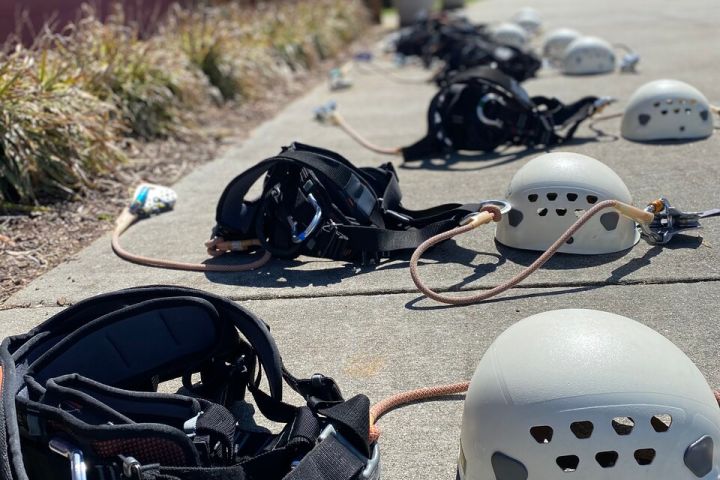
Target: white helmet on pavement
[529, 19]
[588, 56]
[592, 394]
[510, 34]
[667, 110]
[548, 195]
[557, 41]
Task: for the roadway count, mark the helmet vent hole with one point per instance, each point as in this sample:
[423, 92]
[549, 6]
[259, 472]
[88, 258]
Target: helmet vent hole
[644, 118]
[623, 425]
[515, 217]
[656, 104]
[688, 111]
[542, 211]
[532, 198]
[570, 241]
[661, 423]
[704, 115]
[669, 101]
[572, 197]
[610, 220]
[561, 211]
[552, 196]
[582, 429]
[579, 212]
[591, 199]
[542, 433]
[568, 463]
[606, 459]
[676, 110]
[682, 128]
[644, 456]
[664, 112]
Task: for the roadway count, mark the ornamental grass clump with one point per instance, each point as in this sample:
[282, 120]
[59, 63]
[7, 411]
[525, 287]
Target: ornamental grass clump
[54, 136]
[151, 83]
[245, 51]
[67, 101]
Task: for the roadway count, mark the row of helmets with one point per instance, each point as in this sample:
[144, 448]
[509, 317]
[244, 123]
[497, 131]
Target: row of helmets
[565, 48]
[659, 110]
[632, 399]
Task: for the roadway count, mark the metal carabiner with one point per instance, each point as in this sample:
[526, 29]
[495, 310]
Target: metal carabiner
[504, 207]
[487, 98]
[302, 236]
[669, 220]
[78, 469]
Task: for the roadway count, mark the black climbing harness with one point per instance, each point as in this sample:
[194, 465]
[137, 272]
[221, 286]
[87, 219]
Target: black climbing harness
[80, 400]
[462, 45]
[481, 109]
[315, 202]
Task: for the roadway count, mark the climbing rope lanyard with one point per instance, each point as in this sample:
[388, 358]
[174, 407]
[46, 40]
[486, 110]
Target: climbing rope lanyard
[154, 199]
[658, 223]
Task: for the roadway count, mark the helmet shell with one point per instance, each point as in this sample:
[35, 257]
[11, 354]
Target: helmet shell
[667, 110]
[592, 393]
[588, 56]
[557, 41]
[529, 19]
[548, 195]
[510, 34]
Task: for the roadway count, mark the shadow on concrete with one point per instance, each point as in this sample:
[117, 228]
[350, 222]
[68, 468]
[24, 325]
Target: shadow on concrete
[281, 273]
[615, 278]
[457, 161]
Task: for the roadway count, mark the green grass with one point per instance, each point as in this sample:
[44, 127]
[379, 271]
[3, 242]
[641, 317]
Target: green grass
[67, 101]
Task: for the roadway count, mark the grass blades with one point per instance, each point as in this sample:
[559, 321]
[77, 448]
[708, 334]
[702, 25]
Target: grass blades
[66, 101]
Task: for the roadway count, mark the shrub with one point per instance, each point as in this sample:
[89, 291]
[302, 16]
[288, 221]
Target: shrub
[54, 136]
[150, 83]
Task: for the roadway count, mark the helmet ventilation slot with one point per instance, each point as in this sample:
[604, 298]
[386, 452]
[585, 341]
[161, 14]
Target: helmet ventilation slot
[623, 425]
[606, 459]
[591, 199]
[582, 429]
[644, 456]
[572, 197]
[568, 463]
[661, 423]
[542, 433]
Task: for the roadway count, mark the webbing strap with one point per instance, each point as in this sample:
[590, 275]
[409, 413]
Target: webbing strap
[330, 460]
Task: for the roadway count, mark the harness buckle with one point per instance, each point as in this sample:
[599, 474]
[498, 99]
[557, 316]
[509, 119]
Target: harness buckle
[302, 236]
[78, 469]
[668, 221]
[372, 464]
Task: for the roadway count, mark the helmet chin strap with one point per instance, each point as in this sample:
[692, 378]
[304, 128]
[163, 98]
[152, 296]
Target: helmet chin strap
[655, 231]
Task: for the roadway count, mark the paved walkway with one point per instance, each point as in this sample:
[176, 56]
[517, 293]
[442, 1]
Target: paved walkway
[380, 337]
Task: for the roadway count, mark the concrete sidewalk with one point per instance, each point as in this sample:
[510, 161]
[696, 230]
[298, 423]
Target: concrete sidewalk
[363, 316]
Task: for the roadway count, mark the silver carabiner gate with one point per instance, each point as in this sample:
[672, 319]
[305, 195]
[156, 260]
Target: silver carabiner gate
[302, 236]
[78, 469]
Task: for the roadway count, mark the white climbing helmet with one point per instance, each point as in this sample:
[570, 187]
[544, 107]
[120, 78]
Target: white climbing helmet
[667, 110]
[588, 56]
[529, 19]
[548, 195]
[557, 41]
[591, 393]
[510, 34]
